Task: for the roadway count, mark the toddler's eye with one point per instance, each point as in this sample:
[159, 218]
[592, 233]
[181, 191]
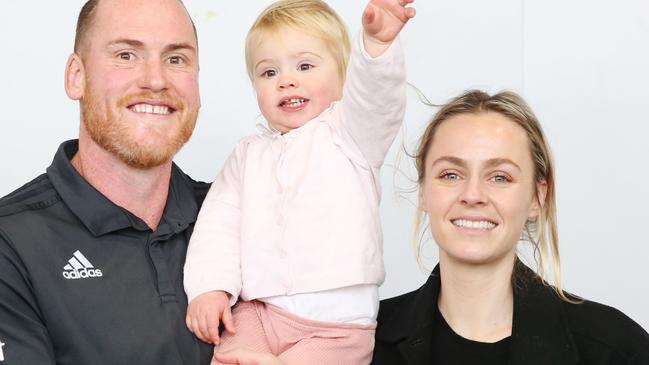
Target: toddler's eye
[305, 67]
[269, 73]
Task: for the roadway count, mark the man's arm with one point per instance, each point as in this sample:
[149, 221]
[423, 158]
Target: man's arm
[24, 337]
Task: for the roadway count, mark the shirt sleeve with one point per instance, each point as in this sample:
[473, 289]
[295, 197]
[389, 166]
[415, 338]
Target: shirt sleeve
[374, 100]
[23, 336]
[213, 256]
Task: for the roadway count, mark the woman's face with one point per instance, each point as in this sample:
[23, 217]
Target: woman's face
[479, 188]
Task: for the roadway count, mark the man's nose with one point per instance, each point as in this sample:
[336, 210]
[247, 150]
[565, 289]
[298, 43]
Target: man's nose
[153, 76]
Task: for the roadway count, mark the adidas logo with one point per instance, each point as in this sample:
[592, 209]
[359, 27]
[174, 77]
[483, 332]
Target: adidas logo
[79, 267]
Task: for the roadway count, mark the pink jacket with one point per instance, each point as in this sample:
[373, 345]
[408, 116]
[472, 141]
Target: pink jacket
[299, 212]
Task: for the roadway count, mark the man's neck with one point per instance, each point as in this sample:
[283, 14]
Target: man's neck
[477, 300]
[142, 192]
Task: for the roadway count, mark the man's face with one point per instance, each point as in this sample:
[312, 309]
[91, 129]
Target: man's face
[140, 80]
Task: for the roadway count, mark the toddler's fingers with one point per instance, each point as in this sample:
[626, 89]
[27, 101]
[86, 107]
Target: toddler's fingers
[203, 329]
[369, 14]
[213, 330]
[410, 13]
[228, 322]
[188, 323]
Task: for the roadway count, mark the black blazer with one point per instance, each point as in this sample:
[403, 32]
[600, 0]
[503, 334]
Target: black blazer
[545, 330]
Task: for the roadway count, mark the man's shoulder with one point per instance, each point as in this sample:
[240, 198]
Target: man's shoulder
[34, 195]
[198, 188]
[599, 327]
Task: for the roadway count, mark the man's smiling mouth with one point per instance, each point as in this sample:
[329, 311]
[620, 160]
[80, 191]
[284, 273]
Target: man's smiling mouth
[151, 109]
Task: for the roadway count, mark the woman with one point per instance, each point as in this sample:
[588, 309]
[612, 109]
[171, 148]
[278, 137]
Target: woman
[486, 181]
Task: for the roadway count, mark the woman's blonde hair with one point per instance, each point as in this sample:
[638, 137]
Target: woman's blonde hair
[313, 17]
[542, 231]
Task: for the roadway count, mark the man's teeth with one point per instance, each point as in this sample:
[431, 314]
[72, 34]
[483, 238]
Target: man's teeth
[292, 103]
[151, 109]
[473, 224]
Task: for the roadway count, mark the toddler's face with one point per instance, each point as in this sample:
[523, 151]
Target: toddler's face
[295, 76]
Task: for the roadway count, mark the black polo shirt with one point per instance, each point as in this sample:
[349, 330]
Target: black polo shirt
[85, 282]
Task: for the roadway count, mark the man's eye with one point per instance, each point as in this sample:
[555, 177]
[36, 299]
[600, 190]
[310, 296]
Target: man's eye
[175, 60]
[125, 56]
[305, 67]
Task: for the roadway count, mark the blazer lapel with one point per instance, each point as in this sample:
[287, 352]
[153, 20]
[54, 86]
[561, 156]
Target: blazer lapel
[417, 349]
[540, 335]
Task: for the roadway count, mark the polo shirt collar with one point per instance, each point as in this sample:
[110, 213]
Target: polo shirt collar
[99, 214]
[539, 330]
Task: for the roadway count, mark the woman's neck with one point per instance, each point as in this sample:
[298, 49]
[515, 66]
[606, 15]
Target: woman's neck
[477, 301]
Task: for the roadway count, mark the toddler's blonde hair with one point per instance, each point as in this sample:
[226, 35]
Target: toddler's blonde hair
[313, 17]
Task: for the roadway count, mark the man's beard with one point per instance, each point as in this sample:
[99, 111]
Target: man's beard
[113, 135]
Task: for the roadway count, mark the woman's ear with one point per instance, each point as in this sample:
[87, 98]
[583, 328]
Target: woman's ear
[422, 200]
[75, 80]
[539, 202]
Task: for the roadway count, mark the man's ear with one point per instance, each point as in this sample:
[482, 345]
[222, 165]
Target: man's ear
[75, 80]
[539, 202]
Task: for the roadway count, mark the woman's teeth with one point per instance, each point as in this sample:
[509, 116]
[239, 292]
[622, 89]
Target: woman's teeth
[473, 224]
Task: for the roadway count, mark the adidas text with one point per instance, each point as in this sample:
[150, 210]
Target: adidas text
[82, 274]
[79, 267]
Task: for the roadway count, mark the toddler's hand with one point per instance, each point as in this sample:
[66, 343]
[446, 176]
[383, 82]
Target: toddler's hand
[382, 22]
[204, 314]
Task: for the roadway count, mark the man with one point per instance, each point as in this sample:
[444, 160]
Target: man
[91, 253]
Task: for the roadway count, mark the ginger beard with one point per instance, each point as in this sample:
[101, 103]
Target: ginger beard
[115, 136]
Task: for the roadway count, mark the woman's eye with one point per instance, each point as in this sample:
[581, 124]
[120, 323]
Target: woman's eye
[500, 178]
[450, 176]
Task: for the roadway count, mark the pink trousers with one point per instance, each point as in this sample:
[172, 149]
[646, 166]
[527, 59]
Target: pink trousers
[297, 341]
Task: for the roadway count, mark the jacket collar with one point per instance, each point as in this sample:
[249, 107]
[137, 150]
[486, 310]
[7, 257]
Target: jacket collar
[100, 215]
[540, 335]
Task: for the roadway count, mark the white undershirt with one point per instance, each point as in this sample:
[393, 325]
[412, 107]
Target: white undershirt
[358, 304]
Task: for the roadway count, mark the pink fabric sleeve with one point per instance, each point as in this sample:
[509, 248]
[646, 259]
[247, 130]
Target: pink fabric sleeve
[374, 100]
[213, 257]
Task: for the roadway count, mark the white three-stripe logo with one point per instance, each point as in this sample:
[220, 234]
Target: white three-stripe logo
[79, 267]
[78, 262]
[2, 355]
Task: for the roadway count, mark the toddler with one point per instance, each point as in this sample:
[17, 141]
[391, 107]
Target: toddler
[290, 229]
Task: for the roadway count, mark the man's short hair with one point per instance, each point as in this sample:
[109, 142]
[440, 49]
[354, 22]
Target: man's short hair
[87, 16]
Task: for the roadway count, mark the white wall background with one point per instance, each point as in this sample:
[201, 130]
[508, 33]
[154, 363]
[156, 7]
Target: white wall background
[582, 65]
